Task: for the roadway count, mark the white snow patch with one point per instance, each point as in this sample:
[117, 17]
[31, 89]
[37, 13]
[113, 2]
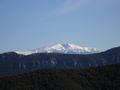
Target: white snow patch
[61, 48]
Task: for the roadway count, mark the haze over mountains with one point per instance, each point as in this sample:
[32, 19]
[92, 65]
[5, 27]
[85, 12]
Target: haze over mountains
[61, 48]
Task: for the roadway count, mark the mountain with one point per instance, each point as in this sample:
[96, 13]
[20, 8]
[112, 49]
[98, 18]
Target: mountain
[62, 48]
[12, 63]
[99, 78]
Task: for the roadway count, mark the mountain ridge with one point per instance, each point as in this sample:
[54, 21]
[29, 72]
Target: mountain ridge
[61, 48]
[13, 63]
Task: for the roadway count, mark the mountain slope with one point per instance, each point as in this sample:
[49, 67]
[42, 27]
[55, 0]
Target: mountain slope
[12, 63]
[61, 48]
[99, 78]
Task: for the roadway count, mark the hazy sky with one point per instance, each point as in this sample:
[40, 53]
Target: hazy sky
[29, 24]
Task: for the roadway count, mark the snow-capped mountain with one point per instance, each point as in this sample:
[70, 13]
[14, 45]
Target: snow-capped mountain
[12, 63]
[61, 48]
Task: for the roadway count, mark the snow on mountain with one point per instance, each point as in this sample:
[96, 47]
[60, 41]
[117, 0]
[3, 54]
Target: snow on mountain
[61, 48]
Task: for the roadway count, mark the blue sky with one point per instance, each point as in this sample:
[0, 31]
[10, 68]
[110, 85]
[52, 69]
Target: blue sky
[29, 24]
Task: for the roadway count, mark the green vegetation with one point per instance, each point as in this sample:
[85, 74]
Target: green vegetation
[99, 78]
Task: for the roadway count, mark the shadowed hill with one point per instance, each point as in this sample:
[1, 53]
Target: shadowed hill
[99, 78]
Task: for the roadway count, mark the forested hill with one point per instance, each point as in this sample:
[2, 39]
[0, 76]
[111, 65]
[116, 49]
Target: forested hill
[12, 63]
[99, 78]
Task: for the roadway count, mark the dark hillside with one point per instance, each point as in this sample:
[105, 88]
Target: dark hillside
[100, 78]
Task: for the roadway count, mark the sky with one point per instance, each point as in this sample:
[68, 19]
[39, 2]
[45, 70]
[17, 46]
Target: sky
[30, 24]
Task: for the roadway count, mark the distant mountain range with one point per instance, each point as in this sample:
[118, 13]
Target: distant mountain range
[12, 63]
[61, 48]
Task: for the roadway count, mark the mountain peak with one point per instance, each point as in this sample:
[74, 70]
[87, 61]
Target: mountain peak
[62, 46]
[68, 45]
[66, 48]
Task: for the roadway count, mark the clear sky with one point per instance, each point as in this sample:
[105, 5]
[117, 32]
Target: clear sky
[29, 24]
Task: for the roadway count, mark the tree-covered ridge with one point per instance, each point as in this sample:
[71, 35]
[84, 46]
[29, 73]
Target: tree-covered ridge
[99, 78]
[12, 63]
